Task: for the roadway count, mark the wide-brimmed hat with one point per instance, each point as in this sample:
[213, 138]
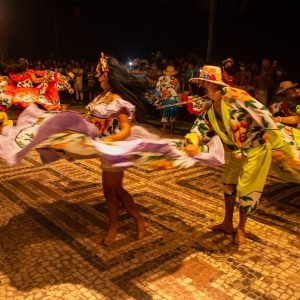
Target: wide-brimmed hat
[71, 75]
[285, 85]
[169, 70]
[212, 74]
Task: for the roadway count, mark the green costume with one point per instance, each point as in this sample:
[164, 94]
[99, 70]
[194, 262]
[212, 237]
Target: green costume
[248, 129]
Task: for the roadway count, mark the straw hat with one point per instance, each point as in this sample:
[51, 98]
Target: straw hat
[212, 74]
[71, 75]
[285, 85]
[169, 70]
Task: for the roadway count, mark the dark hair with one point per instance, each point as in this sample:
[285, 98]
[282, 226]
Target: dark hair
[16, 68]
[19, 67]
[127, 86]
[23, 61]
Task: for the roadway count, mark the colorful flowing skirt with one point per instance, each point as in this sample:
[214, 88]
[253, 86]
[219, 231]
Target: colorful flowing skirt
[54, 133]
[22, 97]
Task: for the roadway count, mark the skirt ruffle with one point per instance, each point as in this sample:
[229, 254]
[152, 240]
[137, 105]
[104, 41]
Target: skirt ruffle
[68, 132]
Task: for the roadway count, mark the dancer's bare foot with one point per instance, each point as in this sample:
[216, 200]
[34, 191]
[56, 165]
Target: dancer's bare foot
[240, 237]
[141, 229]
[110, 237]
[226, 228]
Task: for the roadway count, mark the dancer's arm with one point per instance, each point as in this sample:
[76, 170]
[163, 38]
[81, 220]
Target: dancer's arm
[35, 79]
[125, 129]
[288, 120]
[192, 144]
[192, 149]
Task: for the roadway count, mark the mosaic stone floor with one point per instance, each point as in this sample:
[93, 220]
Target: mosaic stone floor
[53, 218]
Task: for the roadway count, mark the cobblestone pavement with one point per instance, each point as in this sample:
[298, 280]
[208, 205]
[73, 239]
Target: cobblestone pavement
[53, 218]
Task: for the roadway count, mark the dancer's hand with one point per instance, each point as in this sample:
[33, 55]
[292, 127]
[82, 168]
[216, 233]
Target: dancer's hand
[107, 140]
[192, 149]
[191, 140]
[277, 119]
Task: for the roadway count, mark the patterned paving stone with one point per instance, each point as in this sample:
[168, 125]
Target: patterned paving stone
[53, 218]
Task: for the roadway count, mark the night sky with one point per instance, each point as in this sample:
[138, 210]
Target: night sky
[81, 28]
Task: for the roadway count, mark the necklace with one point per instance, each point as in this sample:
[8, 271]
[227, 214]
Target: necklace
[104, 94]
[105, 97]
[99, 99]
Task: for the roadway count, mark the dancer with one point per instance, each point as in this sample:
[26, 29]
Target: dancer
[112, 115]
[45, 94]
[247, 127]
[54, 83]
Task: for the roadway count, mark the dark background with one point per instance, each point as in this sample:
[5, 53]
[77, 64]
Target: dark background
[82, 28]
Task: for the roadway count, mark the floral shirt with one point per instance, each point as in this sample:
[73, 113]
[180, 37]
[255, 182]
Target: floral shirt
[244, 120]
[22, 80]
[167, 87]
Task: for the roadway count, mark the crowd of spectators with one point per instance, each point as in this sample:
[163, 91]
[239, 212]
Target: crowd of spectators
[261, 79]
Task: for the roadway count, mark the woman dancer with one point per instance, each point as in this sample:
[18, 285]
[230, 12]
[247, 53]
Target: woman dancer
[19, 90]
[113, 115]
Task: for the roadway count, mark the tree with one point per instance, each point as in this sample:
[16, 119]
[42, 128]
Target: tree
[212, 6]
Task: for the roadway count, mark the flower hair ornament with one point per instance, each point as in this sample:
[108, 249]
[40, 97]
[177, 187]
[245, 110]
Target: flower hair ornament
[103, 63]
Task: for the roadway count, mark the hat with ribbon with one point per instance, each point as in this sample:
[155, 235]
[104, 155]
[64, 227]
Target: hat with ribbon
[285, 85]
[211, 74]
[170, 70]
